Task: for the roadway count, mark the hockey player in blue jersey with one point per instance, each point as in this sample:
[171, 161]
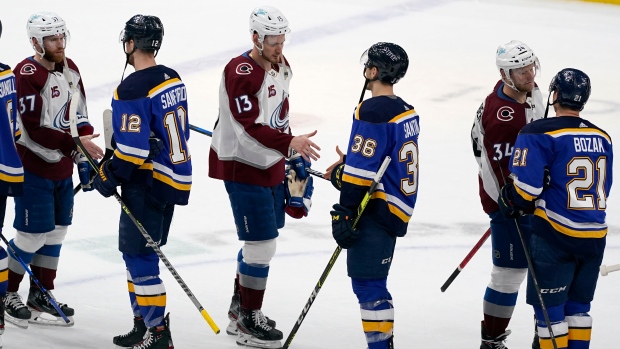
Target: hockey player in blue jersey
[11, 171]
[152, 164]
[563, 166]
[384, 125]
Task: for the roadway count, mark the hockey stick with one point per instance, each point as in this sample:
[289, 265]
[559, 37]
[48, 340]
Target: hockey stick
[469, 256]
[145, 234]
[36, 281]
[332, 260]
[109, 151]
[200, 130]
[606, 269]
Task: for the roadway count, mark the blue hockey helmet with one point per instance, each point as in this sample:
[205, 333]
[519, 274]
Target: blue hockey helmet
[573, 87]
[390, 60]
[0, 28]
[147, 32]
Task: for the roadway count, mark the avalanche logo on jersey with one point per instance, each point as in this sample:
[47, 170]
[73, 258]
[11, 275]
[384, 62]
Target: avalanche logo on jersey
[244, 68]
[279, 118]
[28, 69]
[61, 121]
[505, 113]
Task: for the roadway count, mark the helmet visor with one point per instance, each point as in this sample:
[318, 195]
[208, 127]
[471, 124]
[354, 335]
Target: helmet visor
[364, 59]
[122, 37]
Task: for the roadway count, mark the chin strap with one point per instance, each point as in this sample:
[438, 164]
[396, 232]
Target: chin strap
[549, 104]
[127, 55]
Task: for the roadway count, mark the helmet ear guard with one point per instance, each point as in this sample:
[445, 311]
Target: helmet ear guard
[573, 88]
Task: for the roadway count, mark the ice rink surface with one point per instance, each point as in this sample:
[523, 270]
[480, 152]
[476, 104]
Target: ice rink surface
[451, 45]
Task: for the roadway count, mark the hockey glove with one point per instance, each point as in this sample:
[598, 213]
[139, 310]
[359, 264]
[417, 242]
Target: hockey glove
[156, 146]
[506, 203]
[342, 220]
[105, 182]
[299, 164]
[299, 195]
[85, 172]
[336, 177]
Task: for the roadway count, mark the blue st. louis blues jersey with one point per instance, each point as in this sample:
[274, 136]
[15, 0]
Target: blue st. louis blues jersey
[152, 102]
[579, 158]
[383, 126]
[11, 171]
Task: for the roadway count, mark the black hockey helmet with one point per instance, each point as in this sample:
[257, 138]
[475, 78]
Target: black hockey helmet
[0, 28]
[147, 32]
[390, 60]
[573, 88]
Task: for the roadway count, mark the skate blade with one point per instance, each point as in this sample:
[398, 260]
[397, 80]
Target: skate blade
[45, 319]
[21, 323]
[232, 328]
[247, 340]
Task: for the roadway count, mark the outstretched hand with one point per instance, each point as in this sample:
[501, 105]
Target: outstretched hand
[328, 172]
[93, 149]
[305, 147]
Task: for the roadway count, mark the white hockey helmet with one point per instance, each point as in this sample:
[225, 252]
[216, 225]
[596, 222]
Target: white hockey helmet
[42, 24]
[268, 20]
[514, 55]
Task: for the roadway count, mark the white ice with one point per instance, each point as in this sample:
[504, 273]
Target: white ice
[451, 45]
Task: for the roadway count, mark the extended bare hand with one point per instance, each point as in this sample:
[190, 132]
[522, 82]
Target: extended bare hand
[93, 149]
[328, 172]
[304, 146]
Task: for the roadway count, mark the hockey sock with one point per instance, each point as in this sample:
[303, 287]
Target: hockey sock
[150, 293]
[377, 311]
[558, 325]
[252, 284]
[4, 271]
[579, 324]
[44, 265]
[16, 270]
[132, 297]
[498, 308]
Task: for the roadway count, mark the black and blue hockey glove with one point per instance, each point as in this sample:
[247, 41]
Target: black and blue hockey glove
[105, 182]
[506, 203]
[299, 194]
[156, 146]
[85, 172]
[342, 230]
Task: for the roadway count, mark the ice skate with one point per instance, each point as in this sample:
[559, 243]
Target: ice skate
[233, 315]
[157, 338]
[15, 311]
[493, 343]
[44, 313]
[255, 332]
[135, 336]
